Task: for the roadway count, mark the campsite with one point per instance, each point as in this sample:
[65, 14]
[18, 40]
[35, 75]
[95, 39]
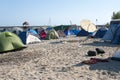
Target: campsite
[60, 59]
[65, 52]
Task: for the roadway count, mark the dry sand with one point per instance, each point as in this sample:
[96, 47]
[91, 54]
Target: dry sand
[59, 60]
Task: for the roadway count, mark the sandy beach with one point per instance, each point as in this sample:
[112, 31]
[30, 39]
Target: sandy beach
[60, 59]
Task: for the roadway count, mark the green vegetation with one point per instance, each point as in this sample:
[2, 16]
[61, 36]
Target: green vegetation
[116, 15]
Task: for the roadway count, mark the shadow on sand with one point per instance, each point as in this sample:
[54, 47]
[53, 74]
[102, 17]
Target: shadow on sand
[99, 43]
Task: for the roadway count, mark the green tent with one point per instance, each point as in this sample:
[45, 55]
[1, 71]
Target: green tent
[10, 41]
[52, 34]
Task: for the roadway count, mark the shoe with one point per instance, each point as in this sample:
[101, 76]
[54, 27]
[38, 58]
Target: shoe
[99, 51]
[91, 53]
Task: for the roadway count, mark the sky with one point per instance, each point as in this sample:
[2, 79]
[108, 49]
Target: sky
[56, 12]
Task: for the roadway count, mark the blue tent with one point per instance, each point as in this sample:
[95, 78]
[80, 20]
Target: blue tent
[69, 32]
[75, 31]
[32, 31]
[100, 32]
[116, 38]
[83, 33]
[113, 33]
[24, 35]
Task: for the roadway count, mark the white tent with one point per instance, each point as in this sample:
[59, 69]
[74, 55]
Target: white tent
[29, 36]
[32, 39]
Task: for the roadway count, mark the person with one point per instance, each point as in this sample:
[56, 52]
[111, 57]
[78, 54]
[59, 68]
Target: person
[25, 25]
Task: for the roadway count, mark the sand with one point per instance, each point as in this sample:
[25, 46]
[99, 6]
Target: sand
[60, 59]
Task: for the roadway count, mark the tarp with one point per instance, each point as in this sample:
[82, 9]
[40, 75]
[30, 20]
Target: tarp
[10, 41]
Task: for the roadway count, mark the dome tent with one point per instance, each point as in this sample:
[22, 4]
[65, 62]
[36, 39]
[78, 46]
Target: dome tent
[116, 55]
[83, 33]
[10, 41]
[113, 33]
[29, 36]
[52, 34]
[100, 32]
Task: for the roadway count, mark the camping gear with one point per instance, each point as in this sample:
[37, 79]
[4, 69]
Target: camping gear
[88, 26]
[113, 33]
[29, 36]
[75, 31]
[116, 56]
[100, 32]
[83, 33]
[17, 30]
[10, 41]
[49, 28]
[52, 34]
[61, 33]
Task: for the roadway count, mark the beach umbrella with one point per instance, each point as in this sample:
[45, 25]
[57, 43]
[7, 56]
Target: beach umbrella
[88, 26]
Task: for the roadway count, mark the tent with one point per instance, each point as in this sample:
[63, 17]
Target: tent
[100, 32]
[29, 36]
[48, 29]
[61, 33]
[17, 30]
[116, 56]
[69, 32]
[52, 34]
[76, 31]
[113, 33]
[10, 41]
[83, 33]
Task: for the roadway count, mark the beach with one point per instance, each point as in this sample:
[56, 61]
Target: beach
[60, 59]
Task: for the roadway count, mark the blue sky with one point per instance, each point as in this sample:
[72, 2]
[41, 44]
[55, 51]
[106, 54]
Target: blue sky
[56, 12]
